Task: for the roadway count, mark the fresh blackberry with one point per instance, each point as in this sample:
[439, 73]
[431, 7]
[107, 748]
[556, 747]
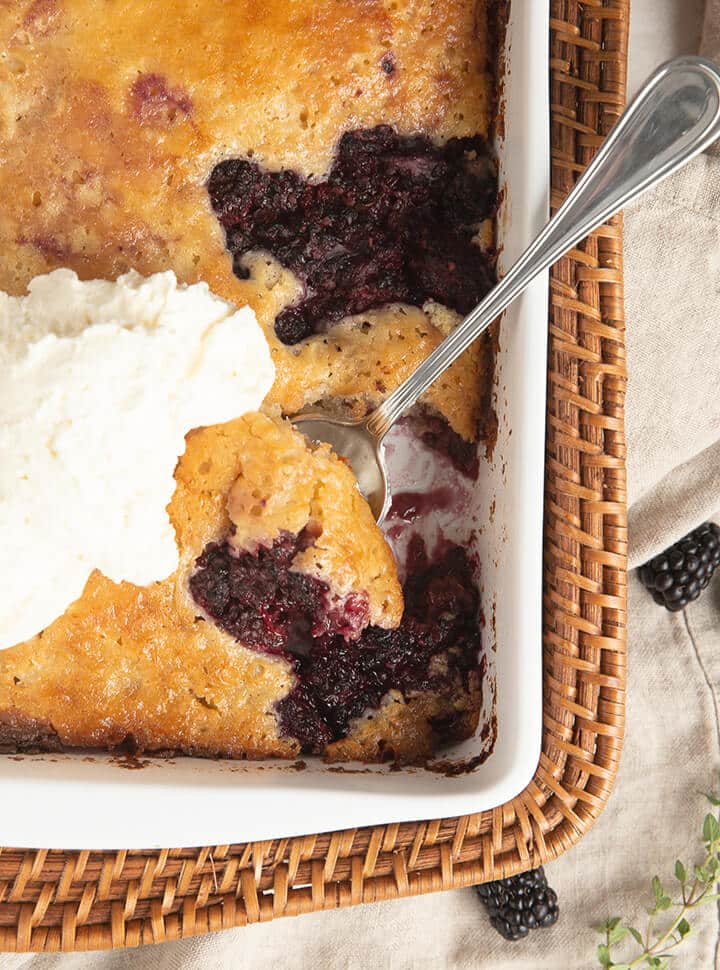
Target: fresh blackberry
[677, 576]
[519, 904]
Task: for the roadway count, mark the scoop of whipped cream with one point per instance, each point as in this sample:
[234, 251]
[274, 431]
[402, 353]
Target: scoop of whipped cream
[99, 383]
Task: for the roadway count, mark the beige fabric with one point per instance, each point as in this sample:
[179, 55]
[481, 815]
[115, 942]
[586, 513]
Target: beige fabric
[710, 45]
[672, 749]
[672, 275]
[659, 30]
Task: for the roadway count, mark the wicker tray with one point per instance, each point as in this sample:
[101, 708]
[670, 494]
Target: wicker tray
[51, 900]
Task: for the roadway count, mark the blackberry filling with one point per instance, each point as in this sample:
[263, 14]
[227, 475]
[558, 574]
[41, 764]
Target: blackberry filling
[393, 222]
[261, 601]
[435, 648]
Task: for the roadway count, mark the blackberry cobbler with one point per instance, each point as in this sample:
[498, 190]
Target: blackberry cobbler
[326, 164]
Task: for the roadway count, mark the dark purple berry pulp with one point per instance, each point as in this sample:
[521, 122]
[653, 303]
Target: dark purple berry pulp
[261, 601]
[393, 222]
[342, 669]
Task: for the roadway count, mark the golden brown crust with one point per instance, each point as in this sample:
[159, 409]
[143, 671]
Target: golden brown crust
[112, 115]
[21, 732]
[129, 662]
[140, 662]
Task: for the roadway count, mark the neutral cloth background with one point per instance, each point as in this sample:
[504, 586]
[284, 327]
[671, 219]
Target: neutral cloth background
[672, 750]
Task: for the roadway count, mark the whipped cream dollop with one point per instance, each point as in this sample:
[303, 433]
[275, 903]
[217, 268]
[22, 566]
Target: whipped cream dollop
[99, 384]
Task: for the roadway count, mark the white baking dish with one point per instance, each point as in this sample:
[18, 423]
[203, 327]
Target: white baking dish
[72, 801]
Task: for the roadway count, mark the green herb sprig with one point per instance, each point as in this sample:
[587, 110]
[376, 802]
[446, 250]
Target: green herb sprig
[668, 924]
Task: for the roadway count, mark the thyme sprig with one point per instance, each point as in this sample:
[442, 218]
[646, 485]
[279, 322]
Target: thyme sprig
[667, 924]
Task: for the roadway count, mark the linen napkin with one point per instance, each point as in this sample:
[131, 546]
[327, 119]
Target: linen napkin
[672, 280]
[672, 277]
[710, 46]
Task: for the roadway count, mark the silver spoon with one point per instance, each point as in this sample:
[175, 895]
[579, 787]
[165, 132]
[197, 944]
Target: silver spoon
[675, 116]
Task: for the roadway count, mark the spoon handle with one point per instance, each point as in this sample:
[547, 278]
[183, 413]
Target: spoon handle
[675, 116]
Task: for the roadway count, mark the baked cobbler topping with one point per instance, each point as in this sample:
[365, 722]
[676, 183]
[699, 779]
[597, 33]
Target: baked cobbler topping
[362, 204]
[394, 222]
[99, 383]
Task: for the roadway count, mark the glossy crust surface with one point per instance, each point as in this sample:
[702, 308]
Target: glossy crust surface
[142, 666]
[113, 114]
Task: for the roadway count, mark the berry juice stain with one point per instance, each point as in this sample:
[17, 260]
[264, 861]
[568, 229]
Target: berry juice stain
[410, 506]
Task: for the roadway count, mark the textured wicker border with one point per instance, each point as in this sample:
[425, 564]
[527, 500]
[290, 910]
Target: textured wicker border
[52, 900]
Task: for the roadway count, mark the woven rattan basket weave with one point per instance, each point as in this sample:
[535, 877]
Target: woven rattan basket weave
[51, 900]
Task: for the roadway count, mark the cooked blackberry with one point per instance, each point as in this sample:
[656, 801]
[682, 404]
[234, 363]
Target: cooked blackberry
[259, 598]
[677, 576]
[520, 903]
[437, 434]
[393, 223]
[435, 648]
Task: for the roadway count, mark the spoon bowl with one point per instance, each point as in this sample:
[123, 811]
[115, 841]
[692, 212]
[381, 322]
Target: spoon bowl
[362, 450]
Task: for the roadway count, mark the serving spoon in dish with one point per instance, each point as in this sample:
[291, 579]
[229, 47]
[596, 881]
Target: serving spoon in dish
[675, 116]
